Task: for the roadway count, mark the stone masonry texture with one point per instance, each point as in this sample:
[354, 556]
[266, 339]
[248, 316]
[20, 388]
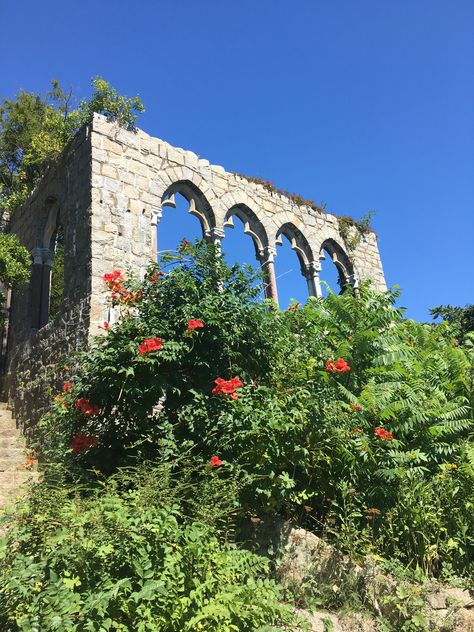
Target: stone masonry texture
[108, 192]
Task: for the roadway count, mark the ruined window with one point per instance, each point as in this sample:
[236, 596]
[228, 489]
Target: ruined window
[57, 273]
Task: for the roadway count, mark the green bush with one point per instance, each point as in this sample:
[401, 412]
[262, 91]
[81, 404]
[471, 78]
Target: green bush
[137, 551]
[341, 414]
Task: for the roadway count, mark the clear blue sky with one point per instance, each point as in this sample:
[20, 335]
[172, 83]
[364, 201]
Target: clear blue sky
[363, 104]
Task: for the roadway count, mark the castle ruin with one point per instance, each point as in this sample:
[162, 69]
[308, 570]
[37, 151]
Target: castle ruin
[106, 195]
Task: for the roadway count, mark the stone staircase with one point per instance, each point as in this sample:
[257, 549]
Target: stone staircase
[14, 468]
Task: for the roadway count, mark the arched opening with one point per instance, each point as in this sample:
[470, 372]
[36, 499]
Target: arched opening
[57, 272]
[47, 275]
[245, 242]
[337, 272]
[295, 271]
[185, 214]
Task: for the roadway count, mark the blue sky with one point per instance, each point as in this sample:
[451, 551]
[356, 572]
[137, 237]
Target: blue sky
[363, 105]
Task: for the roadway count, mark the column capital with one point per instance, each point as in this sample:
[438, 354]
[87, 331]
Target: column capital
[156, 215]
[216, 234]
[42, 256]
[354, 280]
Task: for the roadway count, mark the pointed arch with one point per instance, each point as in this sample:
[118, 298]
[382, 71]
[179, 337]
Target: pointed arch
[299, 244]
[198, 204]
[252, 227]
[342, 261]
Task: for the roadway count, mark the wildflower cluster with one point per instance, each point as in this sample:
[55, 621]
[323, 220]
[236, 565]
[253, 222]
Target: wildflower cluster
[119, 293]
[227, 387]
[337, 366]
[384, 435]
[149, 345]
[84, 405]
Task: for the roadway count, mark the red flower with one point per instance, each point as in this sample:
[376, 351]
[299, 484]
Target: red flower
[149, 345]
[227, 387]
[113, 280]
[67, 387]
[156, 275]
[85, 406]
[340, 366]
[105, 326]
[215, 461]
[384, 435]
[81, 443]
[29, 462]
[356, 407]
[194, 324]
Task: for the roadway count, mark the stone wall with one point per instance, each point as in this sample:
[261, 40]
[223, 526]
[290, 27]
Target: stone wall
[134, 178]
[33, 353]
[108, 193]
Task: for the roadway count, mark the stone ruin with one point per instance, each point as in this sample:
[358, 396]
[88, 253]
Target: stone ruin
[106, 196]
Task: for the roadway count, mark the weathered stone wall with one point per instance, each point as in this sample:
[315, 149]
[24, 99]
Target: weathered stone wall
[134, 176]
[108, 193]
[62, 198]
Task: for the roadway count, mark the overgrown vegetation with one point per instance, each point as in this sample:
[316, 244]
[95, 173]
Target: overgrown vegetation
[352, 230]
[14, 266]
[145, 549]
[342, 415]
[34, 129]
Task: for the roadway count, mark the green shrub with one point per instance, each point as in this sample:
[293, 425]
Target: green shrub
[374, 451]
[137, 551]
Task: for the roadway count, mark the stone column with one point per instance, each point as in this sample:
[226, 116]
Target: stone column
[156, 215]
[266, 259]
[36, 283]
[311, 274]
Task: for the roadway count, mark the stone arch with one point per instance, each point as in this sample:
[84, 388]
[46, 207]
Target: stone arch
[252, 227]
[198, 204]
[43, 257]
[309, 266]
[299, 244]
[342, 261]
[263, 252]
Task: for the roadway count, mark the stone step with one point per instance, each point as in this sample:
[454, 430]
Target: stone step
[11, 442]
[8, 479]
[16, 451]
[12, 462]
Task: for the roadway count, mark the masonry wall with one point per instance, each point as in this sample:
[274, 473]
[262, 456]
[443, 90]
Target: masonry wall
[109, 191]
[35, 358]
[134, 177]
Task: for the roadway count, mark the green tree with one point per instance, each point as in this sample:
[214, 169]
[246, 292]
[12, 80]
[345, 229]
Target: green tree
[34, 129]
[14, 265]
[460, 320]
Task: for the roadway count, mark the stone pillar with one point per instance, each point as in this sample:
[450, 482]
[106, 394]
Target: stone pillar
[311, 274]
[266, 259]
[156, 215]
[36, 283]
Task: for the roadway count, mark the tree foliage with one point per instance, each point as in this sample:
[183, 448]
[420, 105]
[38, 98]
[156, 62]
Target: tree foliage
[14, 265]
[34, 129]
